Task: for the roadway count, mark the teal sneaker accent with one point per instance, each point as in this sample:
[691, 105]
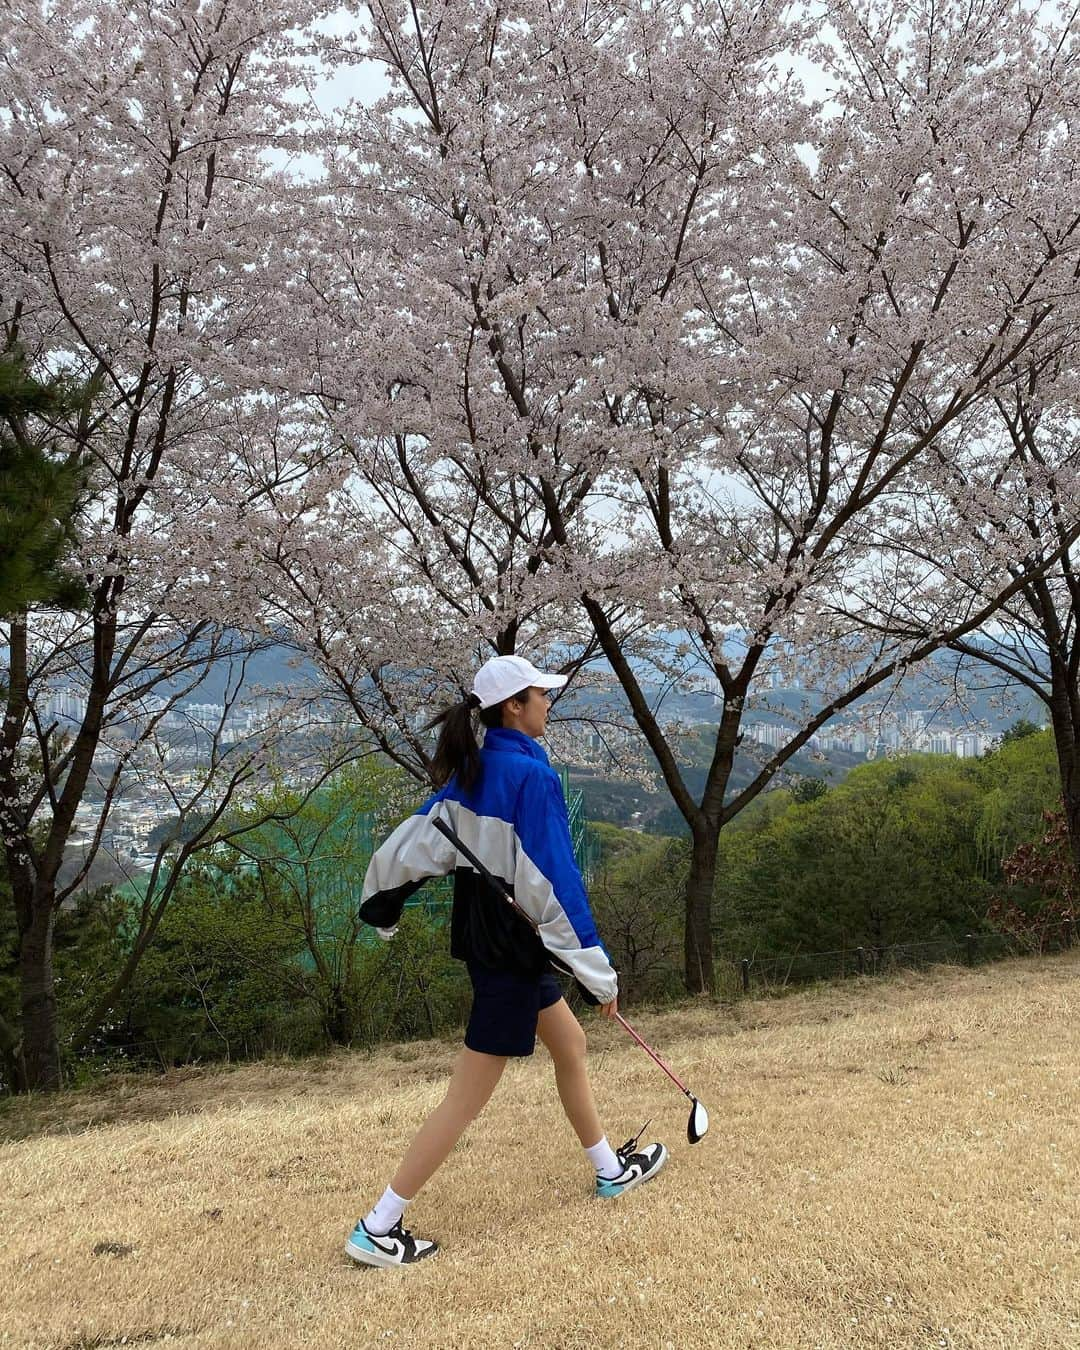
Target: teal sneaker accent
[360, 1239]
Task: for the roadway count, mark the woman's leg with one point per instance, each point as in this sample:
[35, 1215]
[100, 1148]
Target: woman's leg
[471, 1085]
[562, 1033]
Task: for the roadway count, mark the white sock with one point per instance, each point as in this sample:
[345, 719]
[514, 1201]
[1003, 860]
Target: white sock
[386, 1213]
[604, 1158]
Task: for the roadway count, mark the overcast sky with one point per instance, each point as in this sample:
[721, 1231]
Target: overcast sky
[367, 80]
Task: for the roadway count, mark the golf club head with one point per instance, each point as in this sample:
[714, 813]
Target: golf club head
[698, 1124]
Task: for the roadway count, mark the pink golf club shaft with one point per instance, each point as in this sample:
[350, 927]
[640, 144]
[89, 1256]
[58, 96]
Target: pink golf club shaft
[652, 1053]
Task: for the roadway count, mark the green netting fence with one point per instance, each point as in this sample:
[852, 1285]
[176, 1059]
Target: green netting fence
[317, 861]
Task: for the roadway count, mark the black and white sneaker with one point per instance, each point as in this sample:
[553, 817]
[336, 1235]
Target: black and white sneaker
[638, 1165]
[396, 1248]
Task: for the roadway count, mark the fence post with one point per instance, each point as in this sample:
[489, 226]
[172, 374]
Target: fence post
[969, 942]
[745, 965]
[861, 955]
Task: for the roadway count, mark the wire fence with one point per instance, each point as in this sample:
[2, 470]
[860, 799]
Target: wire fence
[759, 974]
[765, 972]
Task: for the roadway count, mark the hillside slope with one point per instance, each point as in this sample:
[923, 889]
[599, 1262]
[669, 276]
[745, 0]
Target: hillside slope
[890, 1164]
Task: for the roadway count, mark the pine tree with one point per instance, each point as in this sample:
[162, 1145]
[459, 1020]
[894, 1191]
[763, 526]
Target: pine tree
[39, 492]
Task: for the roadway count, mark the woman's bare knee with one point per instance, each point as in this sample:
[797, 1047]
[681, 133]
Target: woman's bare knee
[563, 1035]
[474, 1080]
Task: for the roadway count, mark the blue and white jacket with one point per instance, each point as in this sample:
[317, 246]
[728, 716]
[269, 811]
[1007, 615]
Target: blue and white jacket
[514, 819]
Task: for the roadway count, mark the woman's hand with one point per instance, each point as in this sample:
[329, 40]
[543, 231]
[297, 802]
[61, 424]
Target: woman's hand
[609, 1009]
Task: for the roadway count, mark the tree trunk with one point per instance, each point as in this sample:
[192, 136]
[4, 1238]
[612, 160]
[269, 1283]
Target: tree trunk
[33, 872]
[41, 1043]
[1068, 755]
[1067, 745]
[700, 977]
[337, 1018]
[14, 1070]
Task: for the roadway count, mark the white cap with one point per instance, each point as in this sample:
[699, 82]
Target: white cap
[505, 675]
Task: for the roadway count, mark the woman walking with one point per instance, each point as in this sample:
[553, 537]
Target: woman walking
[506, 805]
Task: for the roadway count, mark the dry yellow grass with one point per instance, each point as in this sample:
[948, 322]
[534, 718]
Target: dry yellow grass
[890, 1164]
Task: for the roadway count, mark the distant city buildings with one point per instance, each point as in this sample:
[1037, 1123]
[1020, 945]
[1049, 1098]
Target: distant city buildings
[909, 733]
[182, 738]
[66, 705]
[184, 732]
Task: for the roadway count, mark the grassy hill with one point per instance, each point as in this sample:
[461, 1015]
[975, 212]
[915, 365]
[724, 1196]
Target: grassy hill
[891, 1164]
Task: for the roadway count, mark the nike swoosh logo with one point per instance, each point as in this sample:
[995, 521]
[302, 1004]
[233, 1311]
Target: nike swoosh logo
[634, 1172]
[395, 1248]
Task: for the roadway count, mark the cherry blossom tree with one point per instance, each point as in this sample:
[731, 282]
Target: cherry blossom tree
[135, 201]
[436, 580]
[713, 332]
[994, 525]
[386, 333]
[874, 338]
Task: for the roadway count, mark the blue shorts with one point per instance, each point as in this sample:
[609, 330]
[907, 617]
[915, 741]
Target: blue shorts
[505, 1008]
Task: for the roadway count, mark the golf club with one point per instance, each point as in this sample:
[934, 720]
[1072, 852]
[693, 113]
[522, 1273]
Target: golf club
[698, 1123]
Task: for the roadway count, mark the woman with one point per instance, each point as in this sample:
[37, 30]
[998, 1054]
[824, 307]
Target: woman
[506, 805]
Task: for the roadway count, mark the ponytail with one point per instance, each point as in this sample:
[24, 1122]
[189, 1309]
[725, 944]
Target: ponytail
[457, 751]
